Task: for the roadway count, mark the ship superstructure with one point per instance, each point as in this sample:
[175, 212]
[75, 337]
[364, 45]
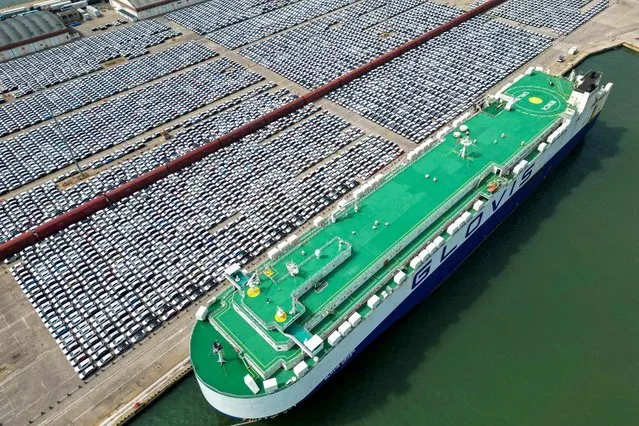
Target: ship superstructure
[284, 328]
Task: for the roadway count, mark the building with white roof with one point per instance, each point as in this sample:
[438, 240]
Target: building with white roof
[143, 9]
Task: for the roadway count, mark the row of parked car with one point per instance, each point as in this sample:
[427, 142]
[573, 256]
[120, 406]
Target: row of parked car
[106, 26]
[437, 81]
[77, 93]
[35, 206]
[43, 150]
[26, 74]
[317, 52]
[264, 25]
[545, 13]
[210, 16]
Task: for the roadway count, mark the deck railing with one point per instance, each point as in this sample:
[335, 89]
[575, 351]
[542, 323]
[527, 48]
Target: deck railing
[383, 259]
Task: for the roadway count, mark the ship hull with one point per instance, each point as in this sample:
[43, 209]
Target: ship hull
[456, 259]
[420, 284]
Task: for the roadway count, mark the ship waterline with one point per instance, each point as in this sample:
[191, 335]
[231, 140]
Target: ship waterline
[282, 330]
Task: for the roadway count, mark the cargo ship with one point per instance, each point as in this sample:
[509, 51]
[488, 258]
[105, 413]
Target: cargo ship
[284, 328]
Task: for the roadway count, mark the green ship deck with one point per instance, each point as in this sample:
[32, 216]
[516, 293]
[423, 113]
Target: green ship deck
[361, 252]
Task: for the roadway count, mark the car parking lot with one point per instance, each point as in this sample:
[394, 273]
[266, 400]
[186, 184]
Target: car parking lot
[436, 82]
[264, 25]
[320, 51]
[48, 200]
[53, 66]
[547, 14]
[43, 150]
[209, 16]
[102, 285]
[66, 97]
[115, 278]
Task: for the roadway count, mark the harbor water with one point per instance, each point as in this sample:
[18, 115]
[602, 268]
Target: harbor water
[540, 326]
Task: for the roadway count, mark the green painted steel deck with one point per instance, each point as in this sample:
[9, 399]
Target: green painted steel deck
[412, 205]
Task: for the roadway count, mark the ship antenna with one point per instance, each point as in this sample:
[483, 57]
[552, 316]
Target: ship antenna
[253, 280]
[218, 350]
[465, 142]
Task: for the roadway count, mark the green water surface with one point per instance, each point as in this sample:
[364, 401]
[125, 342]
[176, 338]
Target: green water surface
[539, 327]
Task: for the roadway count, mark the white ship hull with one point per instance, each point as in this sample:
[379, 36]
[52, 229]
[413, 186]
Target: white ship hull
[420, 283]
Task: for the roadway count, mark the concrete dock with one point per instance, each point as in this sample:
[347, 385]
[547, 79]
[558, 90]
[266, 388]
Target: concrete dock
[38, 385]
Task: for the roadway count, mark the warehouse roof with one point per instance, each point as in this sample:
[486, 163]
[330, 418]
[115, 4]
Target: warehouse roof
[143, 4]
[22, 29]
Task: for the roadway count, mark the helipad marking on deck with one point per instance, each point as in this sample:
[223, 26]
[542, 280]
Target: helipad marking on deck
[536, 101]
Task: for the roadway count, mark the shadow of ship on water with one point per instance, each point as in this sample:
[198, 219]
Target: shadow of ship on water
[382, 370]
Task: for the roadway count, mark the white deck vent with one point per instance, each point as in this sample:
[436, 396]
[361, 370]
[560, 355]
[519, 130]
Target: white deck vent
[272, 253]
[399, 277]
[334, 338]
[344, 328]
[477, 205]
[300, 369]
[248, 380]
[270, 385]
[439, 241]
[520, 167]
[423, 255]
[354, 319]
[201, 313]
[373, 302]
[318, 221]
[314, 344]
[282, 246]
[542, 147]
[452, 228]
[291, 240]
[415, 262]
[509, 105]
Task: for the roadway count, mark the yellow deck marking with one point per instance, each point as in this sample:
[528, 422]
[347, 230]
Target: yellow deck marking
[253, 291]
[280, 317]
[535, 100]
